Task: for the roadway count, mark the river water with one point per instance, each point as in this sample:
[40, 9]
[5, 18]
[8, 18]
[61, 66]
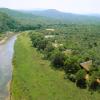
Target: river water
[6, 55]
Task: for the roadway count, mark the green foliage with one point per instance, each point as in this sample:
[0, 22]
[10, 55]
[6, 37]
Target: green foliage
[81, 74]
[81, 83]
[81, 37]
[71, 65]
[33, 78]
[79, 44]
[58, 60]
[39, 41]
[71, 77]
[48, 51]
[93, 84]
[7, 23]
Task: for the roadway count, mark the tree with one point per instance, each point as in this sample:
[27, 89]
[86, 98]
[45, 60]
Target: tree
[36, 39]
[41, 44]
[48, 51]
[81, 74]
[58, 60]
[80, 77]
[71, 65]
[7, 23]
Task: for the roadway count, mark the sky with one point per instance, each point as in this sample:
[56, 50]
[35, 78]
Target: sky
[73, 6]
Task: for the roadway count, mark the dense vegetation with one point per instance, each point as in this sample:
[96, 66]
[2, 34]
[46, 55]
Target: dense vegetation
[11, 20]
[7, 23]
[67, 47]
[28, 19]
[33, 78]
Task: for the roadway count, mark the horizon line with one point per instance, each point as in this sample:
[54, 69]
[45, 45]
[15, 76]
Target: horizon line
[44, 9]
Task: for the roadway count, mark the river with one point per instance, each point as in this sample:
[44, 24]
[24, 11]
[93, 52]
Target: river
[6, 55]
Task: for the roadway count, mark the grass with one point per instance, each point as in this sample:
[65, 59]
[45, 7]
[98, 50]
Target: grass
[33, 78]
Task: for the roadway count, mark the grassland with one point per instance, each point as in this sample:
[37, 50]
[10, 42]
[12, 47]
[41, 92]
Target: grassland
[34, 79]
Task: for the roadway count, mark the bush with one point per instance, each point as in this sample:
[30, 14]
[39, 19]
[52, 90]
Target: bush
[81, 74]
[58, 60]
[71, 77]
[81, 83]
[41, 44]
[93, 84]
[71, 65]
[48, 51]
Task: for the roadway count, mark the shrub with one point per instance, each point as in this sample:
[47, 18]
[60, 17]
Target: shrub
[71, 65]
[71, 77]
[93, 84]
[80, 74]
[58, 60]
[41, 44]
[81, 83]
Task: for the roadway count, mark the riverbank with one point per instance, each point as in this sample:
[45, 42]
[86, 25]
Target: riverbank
[8, 88]
[33, 78]
[5, 37]
[3, 40]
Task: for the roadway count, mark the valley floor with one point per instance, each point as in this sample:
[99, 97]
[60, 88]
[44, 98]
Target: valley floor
[34, 79]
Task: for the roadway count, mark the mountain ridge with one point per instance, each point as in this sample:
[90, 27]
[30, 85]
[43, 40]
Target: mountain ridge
[51, 15]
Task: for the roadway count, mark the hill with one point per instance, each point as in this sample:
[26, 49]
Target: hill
[66, 17]
[50, 16]
[6, 22]
[29, 20]
[26, 18]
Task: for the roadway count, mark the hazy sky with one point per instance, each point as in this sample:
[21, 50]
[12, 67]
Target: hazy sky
[75, 6]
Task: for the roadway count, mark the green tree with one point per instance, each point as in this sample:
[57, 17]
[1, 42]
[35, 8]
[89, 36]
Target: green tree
[81, 74]
[58, 60]
[71, 65]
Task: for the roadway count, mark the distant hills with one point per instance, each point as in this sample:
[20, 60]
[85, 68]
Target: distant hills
[50, 16]
[52, 13]
[25, 17]
[66, 17]
[17, 14]
[28, 20]
[95, 15]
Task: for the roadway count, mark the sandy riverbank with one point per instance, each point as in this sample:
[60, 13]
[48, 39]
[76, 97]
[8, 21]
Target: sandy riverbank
[8, 87]
[3, 40]
[6, 37]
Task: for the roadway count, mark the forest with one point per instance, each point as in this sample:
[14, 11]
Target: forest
[67, 46]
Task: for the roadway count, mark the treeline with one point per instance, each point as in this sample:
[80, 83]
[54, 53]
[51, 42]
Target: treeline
[7, 23]
[67, 50]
